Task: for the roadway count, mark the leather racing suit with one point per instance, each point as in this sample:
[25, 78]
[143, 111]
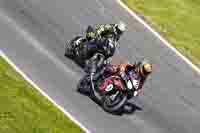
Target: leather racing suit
[123, 70]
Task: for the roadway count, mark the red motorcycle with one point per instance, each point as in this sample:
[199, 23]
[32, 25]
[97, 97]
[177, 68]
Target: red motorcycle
[109, 90]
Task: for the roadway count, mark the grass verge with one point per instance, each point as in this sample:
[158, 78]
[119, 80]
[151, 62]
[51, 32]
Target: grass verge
[177, 20]
[24, 110]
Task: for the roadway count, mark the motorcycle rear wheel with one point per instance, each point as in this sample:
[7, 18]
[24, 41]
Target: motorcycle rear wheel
[84, 85]
[68, 50]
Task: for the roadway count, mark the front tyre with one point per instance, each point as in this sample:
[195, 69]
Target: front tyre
[114, 106]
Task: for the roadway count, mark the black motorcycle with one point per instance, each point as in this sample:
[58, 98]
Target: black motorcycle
[82, 51]
[107, 90]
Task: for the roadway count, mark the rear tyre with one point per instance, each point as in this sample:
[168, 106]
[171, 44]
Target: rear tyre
[69, 52]
[84, 85]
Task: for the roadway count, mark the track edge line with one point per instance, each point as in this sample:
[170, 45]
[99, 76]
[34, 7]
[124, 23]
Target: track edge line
[132, 13]
[6, 58]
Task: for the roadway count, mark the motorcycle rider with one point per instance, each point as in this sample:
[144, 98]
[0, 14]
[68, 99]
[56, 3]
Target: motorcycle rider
[96, 41]
[142, 69]
[101, 32]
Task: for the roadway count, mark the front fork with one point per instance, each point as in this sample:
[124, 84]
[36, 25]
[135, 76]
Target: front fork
[112, 97]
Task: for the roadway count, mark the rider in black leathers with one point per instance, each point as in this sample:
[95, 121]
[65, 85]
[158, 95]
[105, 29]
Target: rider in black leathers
[105, 49]
[98, 45]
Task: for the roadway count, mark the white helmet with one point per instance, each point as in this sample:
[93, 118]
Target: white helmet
[121, 26]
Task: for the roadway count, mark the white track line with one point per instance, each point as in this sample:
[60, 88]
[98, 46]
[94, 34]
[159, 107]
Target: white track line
[42, 92]
[36, 44]
[158, 35]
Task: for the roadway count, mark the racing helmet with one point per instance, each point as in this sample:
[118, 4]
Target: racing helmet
[145, 68]
[121, 27]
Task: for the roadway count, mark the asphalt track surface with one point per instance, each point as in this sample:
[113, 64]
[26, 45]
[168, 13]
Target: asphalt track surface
[171, 98]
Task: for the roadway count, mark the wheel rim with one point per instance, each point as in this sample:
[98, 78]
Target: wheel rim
[116, 106]
[110, 103]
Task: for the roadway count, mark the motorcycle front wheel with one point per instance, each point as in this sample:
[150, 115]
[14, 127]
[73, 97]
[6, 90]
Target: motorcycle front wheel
[114, 106]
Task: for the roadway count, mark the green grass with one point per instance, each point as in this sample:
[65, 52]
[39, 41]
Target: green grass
[24, 110]
[177, 20]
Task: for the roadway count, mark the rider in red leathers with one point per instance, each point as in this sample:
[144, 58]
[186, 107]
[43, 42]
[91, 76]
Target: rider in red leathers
[141, 72]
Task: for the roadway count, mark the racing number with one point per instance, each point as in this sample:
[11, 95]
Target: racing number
[109, 87]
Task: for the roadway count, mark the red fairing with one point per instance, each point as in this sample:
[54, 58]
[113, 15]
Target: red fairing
[108, 81]
[119, 84]
[105, 83]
